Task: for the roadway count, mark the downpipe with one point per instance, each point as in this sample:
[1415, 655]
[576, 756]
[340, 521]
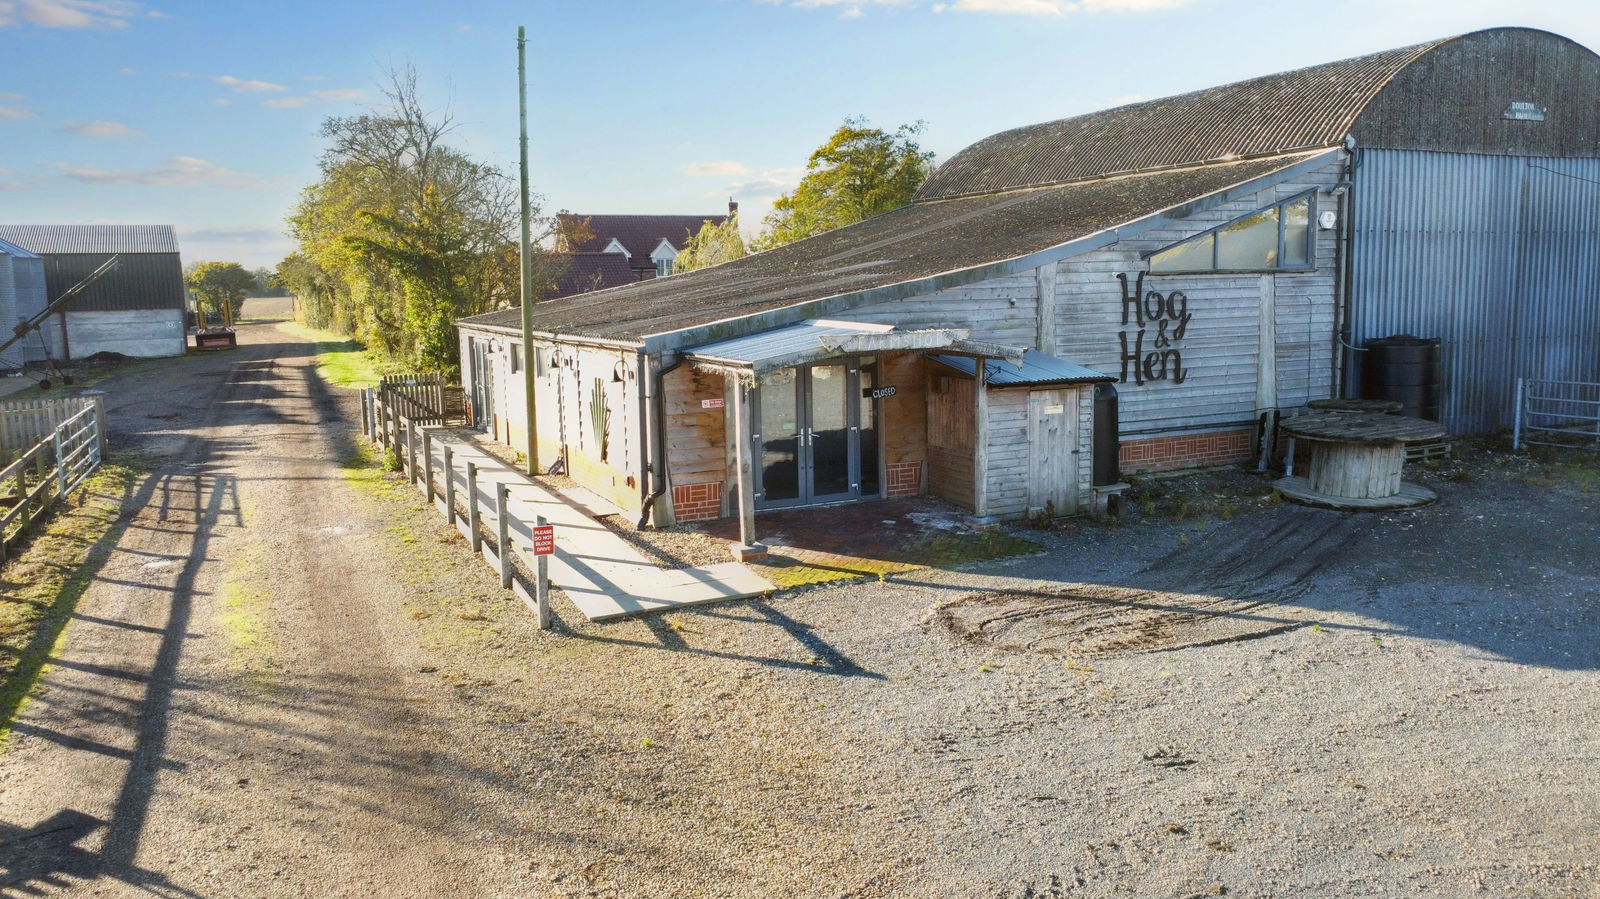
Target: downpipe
[658, 466]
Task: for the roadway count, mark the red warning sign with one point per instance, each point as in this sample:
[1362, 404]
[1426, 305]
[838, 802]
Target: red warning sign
[544, 540]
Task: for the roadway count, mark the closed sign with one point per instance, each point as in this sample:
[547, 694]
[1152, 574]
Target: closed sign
[878, 393]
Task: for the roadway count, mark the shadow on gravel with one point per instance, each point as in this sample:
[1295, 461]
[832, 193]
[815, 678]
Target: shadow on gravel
[825, 657]
[1517, 585]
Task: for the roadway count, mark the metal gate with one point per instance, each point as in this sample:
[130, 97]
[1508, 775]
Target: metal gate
[1499, 256]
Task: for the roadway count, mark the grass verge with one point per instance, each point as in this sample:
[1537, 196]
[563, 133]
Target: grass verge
[40, 588]
[341, 361]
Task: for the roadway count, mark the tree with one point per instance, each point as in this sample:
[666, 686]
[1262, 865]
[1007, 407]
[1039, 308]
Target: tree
[221, 286]
[403, 234]
[713, 244]
[860, 172]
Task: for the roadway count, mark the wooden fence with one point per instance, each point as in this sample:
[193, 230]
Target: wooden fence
[49, 469]
[425, 399]
[487, 526]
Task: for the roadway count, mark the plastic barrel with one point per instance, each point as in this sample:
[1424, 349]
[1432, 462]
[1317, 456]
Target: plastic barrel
[1405, 369]
[1107, 440]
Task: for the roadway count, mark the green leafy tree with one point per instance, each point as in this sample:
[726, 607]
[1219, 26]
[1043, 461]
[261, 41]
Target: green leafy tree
[713, 244]
[860, 172]
[403, 234]
[221, 286]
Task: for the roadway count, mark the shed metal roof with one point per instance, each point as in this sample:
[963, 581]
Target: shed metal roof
[11, 249]
[1036, 369]
[57, 240]
[783, 342]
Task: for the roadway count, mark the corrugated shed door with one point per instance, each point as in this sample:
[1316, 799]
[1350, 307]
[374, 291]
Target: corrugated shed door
[1499, 256]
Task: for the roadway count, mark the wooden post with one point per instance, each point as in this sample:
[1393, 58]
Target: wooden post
[365, 431]
[503, 531]
[394, 437]
[100, 426]
[472, 507]
[747, 548]
[427, 464]
[980, 443]
[61, 465]
[411, 452]
[449, 485]
[541, 585]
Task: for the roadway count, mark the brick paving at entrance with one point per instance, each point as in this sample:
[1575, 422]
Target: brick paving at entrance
[867, 539]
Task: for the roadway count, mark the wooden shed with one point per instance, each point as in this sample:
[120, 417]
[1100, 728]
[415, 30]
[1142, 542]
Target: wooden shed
[1206, 252]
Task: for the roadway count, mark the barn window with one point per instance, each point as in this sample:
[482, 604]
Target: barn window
[1273, 239]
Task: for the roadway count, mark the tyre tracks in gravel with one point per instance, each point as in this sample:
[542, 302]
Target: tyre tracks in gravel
[225, 716]
[1241, 581]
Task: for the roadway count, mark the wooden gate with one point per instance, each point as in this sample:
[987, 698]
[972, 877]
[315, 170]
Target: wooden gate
[424, 398]
[1052, 451]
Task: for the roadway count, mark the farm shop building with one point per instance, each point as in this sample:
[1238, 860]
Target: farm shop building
[1215, 254]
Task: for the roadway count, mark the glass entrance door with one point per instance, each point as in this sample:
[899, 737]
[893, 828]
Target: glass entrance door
[808, 440]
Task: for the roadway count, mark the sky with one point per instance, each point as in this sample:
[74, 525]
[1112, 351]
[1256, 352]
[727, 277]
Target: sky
[205, 114]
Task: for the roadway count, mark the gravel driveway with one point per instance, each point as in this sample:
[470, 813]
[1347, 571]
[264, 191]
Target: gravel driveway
[292, 679]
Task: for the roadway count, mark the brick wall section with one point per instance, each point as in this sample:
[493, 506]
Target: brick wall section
[697, 502]
[905, 479]
[1188, 451]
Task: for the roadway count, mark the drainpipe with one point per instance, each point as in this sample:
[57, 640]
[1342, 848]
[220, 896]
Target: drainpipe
[642, 366]
[1344, 273]
[658, 466]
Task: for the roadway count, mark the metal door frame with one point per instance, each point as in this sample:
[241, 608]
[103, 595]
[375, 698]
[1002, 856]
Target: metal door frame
[804, 460]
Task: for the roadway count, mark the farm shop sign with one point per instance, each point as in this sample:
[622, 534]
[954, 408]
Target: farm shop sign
[1151, 324]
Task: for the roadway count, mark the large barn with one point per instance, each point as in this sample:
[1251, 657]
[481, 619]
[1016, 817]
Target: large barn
[1220, 255]
[135, 310]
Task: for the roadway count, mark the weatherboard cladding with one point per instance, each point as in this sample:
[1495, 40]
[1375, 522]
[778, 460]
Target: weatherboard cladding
[910, 244]
[88, 239]
[1037, 369]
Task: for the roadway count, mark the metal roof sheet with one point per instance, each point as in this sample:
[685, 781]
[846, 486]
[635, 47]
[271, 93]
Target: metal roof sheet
[782, 342]
[1037, 368]
[11, 249]
[92, 239]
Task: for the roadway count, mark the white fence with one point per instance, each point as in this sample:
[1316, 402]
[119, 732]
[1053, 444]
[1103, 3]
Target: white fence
[1557, 413]
[49, 469]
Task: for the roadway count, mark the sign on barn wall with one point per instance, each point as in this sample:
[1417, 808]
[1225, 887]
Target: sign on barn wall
[1151, 324]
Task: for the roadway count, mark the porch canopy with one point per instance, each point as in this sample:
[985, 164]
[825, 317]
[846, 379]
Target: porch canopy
[819, 339]
[1035, 370]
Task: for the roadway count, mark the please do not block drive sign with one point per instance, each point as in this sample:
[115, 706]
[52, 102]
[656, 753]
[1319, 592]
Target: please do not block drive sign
[544, 540]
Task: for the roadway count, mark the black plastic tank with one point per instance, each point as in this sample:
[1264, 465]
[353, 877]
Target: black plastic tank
[1404, 369]
[1107, 439]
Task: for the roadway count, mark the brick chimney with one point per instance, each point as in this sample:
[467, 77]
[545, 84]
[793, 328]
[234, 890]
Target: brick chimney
[733, 210]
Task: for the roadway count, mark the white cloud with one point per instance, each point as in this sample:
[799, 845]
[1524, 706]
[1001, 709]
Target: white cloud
[462, 28]
[68, 13]
[101, 130]
[128, 70]
[242, 86]
[222, 101]
[12, 107]
[336, 95]
[723, 169]
[180, 171]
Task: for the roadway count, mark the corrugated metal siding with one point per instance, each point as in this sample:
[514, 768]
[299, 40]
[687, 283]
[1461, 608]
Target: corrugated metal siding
[1497, 255]
[140, 281]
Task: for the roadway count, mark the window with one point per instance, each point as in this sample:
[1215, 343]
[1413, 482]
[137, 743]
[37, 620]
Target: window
[1278, 237]
[663, 267]
[516, 358]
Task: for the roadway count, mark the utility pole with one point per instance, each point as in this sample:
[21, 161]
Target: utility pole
[529, 356]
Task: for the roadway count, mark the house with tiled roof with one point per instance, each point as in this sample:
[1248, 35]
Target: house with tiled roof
[1215, 259]
[646, 246]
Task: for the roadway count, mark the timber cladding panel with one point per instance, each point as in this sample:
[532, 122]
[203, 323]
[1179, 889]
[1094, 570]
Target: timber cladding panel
[1009, 452]
[1003, 310]
[697, 436]
[905, 415]
[951, 436]
[1221, 346]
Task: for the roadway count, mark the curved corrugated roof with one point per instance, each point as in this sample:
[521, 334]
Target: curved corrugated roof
[1298, 110]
